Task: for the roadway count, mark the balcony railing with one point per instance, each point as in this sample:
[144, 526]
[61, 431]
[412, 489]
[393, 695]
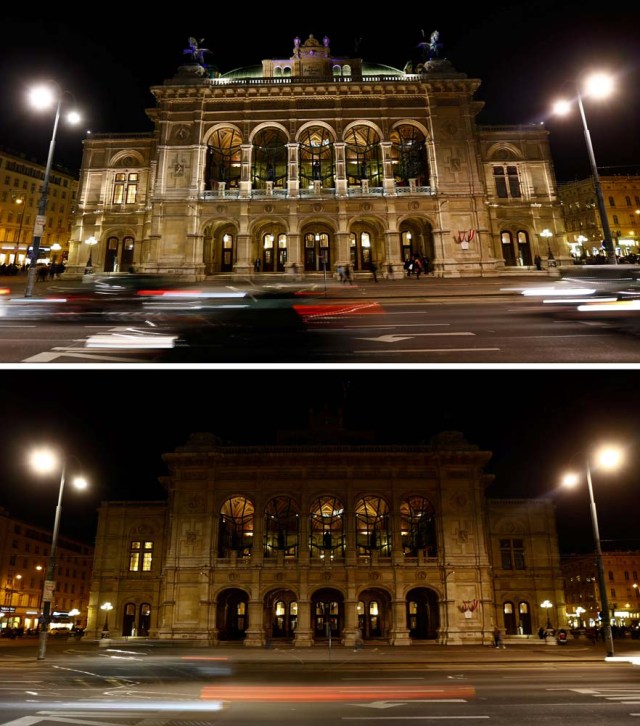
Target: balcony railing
[310, 193]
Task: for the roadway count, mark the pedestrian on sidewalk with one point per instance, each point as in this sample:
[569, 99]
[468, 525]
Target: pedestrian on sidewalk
[347, 274]
[374, 269]
[497, 638]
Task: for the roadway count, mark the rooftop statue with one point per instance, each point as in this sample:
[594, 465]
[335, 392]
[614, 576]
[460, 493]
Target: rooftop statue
[195, 51]
[431, 48]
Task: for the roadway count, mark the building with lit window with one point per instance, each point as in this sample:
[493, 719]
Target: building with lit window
[323, 533]
[582, 589]
[312, 161]
[582, 218]
[24, 558]
[20, 190]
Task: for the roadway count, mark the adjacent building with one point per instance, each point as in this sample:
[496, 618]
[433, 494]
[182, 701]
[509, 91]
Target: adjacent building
[582, 589]
[20, 191]
[582, 217]
[24, 558]
[312, 160]
[326, 533]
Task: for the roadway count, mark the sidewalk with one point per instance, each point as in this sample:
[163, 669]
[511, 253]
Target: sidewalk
[362, 287]
[531, 650]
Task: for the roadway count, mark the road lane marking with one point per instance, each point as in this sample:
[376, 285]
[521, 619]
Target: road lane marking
[426, 350]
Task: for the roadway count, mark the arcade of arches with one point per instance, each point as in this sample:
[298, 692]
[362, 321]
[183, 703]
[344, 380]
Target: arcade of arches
[317, 247]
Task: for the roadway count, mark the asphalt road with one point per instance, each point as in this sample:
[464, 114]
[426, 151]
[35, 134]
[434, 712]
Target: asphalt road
[134, 684]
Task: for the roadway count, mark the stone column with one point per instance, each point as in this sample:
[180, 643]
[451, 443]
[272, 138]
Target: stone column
[245, 171]
[388, 181]
[304, 632]
[399, 632]
[294, 264]
[339, 149]
[293, 180]
[243, 265]
[254, 637]
[394, 266]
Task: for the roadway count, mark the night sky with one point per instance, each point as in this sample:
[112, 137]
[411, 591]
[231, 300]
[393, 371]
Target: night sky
[522, 52]
[120, 422]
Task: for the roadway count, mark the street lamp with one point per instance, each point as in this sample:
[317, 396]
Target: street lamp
[91, 241]
[45, 461]
[608, 458]
[546, 604]
[107, 607]
[598, 86]
[547, 234]
[43, 97]
[18, 200]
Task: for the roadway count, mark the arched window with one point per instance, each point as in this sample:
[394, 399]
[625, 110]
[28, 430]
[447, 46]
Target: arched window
[281, 526]
[224, 159]
[269, 158]
[417, 525]
[372, 526]
[363, 156]
[408, 155]
[236, 527]
[326, 528]
[316, 156]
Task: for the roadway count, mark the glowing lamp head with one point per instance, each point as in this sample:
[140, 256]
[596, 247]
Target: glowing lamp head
[44, 461]
[599, 85]
[42, 97]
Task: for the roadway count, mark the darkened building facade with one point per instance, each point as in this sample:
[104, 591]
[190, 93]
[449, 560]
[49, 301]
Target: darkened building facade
[324, 533]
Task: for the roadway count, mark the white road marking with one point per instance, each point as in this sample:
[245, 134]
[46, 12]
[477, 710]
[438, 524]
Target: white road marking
[427, 350]
[397, 338]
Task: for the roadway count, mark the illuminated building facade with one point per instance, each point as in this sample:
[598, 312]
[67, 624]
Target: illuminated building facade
[20, 188]
[313, 161]
[583, 602]
[323, 533]
[582, 218]
[24, 557]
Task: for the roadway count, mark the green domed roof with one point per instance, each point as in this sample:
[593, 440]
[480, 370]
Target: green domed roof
[379, 69]
[244, 72]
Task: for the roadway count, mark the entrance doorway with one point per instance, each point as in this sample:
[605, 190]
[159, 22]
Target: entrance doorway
[232, 614]
[274, 252]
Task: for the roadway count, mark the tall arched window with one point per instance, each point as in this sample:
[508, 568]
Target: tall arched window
[269, 158]
[224, 158]
[408, 155]
[236, 527]
[281, 527]
[326, 528]
[363, 156]
[372, 526]
[316, 157]
[418, 528]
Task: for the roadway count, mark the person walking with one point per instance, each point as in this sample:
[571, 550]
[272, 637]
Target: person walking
[374, 269]
[347, 274]
[497, 638]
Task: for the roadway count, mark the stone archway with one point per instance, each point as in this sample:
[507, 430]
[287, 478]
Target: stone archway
[375, 615]
[232, 614]
[280, 614]
[423, 615]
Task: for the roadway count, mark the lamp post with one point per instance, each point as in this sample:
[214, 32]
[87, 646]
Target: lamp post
[18, 200]
[608, 458]
[44, 461]
[599, 86]
[91, 241]
[44, 97]
[547, 234]
[107, 607]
